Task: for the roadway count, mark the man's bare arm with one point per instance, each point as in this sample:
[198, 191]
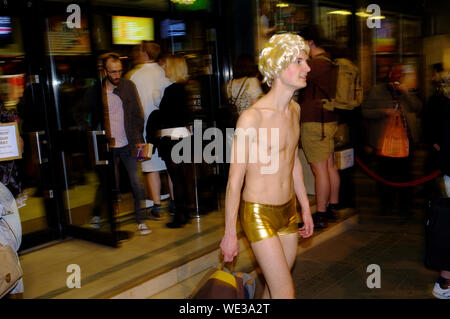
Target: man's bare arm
[229, 244]
[300, 191]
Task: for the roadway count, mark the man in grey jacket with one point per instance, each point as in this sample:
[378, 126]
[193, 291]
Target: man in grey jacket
[124, 123]
[377, 109]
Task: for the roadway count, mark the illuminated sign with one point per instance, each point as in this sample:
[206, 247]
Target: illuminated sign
[132, 30]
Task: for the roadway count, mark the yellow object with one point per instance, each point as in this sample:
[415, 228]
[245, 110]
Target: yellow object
[132, 30]
[261, 221]
[225, 277]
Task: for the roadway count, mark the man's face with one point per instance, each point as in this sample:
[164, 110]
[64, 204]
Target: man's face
[113, 71]
[295, 74]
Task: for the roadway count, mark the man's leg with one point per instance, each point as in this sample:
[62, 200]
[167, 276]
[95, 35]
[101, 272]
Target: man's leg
[335, 180]
[322, 184]
[137, 187]
[276, 256]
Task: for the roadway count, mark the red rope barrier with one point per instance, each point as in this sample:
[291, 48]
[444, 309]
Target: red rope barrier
[378, 178]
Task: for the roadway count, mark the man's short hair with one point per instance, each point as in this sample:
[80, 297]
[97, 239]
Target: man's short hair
[313, 32]
[279, 52]
[152, 49]
[111, 55]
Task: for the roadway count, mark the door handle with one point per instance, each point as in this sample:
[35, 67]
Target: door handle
[36, 146]
[94, 135]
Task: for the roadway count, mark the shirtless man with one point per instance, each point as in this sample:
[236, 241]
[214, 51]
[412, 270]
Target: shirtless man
[268, 213]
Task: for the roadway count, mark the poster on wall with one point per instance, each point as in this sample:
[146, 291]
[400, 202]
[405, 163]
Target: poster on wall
[9, 142]
[63, 40]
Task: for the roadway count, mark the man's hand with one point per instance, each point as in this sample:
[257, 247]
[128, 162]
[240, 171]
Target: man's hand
[436, 147]
[308, 226]
[230, 247]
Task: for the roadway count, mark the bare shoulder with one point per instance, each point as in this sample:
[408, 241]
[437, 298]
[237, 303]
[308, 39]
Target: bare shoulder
[249, 118]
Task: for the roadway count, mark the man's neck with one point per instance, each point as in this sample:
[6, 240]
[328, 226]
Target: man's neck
[109, 85]
[280, 96]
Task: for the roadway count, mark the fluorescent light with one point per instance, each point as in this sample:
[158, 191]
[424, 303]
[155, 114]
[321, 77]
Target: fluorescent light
[282, 5]
[362, 14]
[341, 12]
[378, 17]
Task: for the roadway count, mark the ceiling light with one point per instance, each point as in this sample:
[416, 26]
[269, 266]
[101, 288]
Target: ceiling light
[282, 5]
[362, 14]
[341, 12]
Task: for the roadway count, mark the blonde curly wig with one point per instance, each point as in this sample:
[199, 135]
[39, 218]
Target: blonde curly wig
[279, 52]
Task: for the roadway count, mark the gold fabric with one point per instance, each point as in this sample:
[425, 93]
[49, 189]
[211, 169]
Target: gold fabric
[261, 221]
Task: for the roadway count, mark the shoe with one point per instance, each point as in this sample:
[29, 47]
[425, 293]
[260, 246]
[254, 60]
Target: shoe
[143, 229]
[95, 222]
[320, 221]
[331, 215]
[155, 213]
[440, 293]
[175, 224]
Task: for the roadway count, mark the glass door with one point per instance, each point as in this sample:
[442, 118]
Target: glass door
[22, 100]
[81, 149]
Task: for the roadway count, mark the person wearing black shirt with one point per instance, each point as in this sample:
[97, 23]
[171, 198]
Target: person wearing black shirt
[167, 128]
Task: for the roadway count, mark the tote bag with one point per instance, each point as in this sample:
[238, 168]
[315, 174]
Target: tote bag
[394, 142]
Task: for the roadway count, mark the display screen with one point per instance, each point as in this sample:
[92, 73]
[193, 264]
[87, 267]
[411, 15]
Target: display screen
[172, 28]
[5, 28]
[132, 30]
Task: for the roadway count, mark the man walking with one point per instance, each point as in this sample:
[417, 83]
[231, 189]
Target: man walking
[124, 122]
[268, 207]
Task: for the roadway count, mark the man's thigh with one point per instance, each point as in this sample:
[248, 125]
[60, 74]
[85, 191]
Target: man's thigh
[276, 269]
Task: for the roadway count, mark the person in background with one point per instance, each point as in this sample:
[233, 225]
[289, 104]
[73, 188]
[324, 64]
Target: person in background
[244, 88]
[150, 82]
[377, 109]
[11, 188]
[124, 123]
[10, 232]
[438, 124]
[319, 127]
[173, 121]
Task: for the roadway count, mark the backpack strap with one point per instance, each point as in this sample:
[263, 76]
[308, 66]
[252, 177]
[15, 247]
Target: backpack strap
[240, 90]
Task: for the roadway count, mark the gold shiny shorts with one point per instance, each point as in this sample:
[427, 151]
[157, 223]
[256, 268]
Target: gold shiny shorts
[261, 221]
